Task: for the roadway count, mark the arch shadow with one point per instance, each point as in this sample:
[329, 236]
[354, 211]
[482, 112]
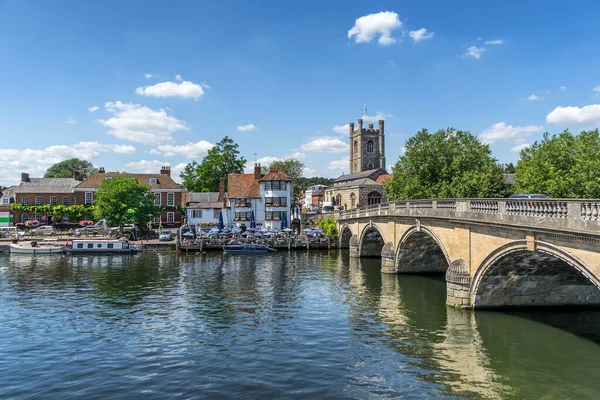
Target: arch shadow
[371, 242]
[345, 235]
[421, 252]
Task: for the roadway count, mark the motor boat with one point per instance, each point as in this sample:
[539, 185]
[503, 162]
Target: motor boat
[38, 247]
[101, 246]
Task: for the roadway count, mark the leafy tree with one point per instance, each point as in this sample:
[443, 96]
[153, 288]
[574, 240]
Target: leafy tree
[67, 168]
[124, 201]
[293, 167]
[221, 160]
[563, 166]
[446, 164]
[329, 227]
[509, 168]
[305, 183]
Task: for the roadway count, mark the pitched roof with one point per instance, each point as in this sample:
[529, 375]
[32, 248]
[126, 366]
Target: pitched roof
[243, 186]
[357, 182]
[276, 176]
[47, 185]
[203, 197]
[372, 173]
[384, 177]
[164, 181]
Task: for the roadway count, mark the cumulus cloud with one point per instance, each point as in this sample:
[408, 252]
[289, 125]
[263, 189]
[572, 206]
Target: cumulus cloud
[533, 97]
[141, 124]
[178, 78]
[494, 42]
[517, 149]
[341, 129]
[325, 144]
[343, 164]
[267, 160]
[148, 76]
[93, 109]
[380, 25]
[309, 172]
[37, 161]
[184, 89]
[574, 115]
[501, 131]
[154, 166]
[189, 150]
[376, 117]
[474, 52]
[246, 128]
[421, 34]
[71, 121]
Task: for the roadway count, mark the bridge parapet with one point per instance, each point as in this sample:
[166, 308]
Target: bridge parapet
[581, 216]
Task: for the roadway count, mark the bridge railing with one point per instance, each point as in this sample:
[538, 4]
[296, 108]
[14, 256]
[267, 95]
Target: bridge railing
[566, 214]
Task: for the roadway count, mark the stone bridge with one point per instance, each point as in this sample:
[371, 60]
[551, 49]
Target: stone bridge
[493, 252]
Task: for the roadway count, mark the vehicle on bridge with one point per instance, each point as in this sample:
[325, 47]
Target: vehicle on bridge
[529, 196]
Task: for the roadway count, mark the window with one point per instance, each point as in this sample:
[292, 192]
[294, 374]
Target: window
[80, 245]
[370, 147]
[273, 216]
[52, 200]
[156, 219]
[157, 200]
[276, 201]
[243, 203]
[89, 197]
[370, 166]
[38, 200]
[242, 215]
[110, 245]
[196, 213]
[373, 198]
[5, 200]
[90, 245]
[65, 201]
[275, 185]
[170, 216]
[153, 181]
[216, 213]
[268, 185]
[24, 218]
[38, 217]
[356, 146]
[25, 201]
[99, 245]
[170, 199]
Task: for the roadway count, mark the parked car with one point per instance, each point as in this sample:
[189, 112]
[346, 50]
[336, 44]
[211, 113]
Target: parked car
[165, 236]
[529, 196]
[43, 230]
[90, 229]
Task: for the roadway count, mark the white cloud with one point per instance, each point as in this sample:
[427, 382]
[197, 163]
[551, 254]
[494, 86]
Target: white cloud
[376, 117]
[421, 34]
[309, 172]
[533, 97]
[325, 144]
[494, 42]
[341, 129]
[37, 161]
[574, 115]
[381, 24]
[93, 109]
[517, 149]
[267, 160]
[596, 89]
[189, 150]
[154, 166]
[148, 76]
[343, 164]
[474, 52]
[297, 155]
[184, 89]
[178, 78]
[142, 124]
[563, 88]
[246, 128]
[71, 121]
[501, 131]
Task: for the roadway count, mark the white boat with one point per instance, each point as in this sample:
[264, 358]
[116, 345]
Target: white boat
[101, 246]
[35, 247]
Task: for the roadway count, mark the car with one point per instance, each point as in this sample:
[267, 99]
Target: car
[529, 196]
[43, 230]
[165, 236]
[90, 229]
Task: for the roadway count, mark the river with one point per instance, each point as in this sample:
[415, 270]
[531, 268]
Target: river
[316, 325]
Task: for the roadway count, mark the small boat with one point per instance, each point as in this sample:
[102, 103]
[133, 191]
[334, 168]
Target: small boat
[247, 248]
[35, 247]
[101, 246]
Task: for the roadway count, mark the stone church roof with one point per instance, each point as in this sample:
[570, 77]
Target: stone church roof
[372, 174]
[356, 182]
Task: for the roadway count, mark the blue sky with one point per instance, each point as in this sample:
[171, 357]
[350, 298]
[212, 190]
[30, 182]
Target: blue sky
[169, 79]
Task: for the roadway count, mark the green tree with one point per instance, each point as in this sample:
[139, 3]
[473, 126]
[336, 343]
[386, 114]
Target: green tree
[221, 160]
[293, 167]
[509, 168]
[67, 168]
[446, 164]
[305, 183]
[562, 166]
[329, 227]
[124, 201]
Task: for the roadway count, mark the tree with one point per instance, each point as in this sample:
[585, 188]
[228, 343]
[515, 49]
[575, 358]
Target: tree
[221, 160]
[446, 164]
[562, 166]
[329, 227]
[293, 167]
[67, 168]
[124, 201]
[305, 183]
[509, 168]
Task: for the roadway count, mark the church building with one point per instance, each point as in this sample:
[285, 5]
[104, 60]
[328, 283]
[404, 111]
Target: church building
[364, 184]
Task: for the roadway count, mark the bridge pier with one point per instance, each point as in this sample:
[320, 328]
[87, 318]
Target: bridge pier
[354, 247]
[458, 285]
[388, 259]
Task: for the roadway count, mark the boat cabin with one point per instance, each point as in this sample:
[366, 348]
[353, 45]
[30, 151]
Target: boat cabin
[99, 245]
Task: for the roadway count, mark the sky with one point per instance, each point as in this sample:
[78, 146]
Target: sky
[135, 85]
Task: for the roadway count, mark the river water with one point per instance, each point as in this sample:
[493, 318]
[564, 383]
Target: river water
[316, 325]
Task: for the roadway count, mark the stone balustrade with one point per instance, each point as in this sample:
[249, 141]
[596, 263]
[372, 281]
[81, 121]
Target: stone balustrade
[581, 216]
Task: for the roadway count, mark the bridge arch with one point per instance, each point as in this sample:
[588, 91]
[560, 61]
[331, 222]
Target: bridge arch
[421, 251]
[371, 241]
[344, 236]
[514, 275]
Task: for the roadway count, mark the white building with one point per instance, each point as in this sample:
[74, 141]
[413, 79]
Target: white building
[204, 208]
[266, 197]
[312, 194]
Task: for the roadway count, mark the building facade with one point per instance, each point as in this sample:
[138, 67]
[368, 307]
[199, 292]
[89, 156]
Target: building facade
[204, 208]
[367, 147]
[314, 196]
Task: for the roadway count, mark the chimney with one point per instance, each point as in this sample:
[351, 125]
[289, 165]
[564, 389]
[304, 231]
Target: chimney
[101, 170]
[24, 177]
[166, 170]
[77, 175]
[257, 172]
[222, 191]
[360, 121]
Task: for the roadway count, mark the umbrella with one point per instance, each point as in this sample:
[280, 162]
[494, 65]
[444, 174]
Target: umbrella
[319, 230]
[252, 222]
[188, 234]
[283, 220]
[220, 224]
[287, 230]
[214, 230]
[245, 233]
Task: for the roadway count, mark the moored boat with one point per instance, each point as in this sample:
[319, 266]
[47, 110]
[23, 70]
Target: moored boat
[247, 248]
[35, 247]
[102, 246]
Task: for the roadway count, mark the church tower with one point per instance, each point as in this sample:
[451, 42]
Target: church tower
[367, 147]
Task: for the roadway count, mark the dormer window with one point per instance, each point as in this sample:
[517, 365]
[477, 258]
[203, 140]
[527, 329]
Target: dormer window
[153, 181]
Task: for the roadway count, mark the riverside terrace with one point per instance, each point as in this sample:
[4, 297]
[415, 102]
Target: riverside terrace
[494, 252]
